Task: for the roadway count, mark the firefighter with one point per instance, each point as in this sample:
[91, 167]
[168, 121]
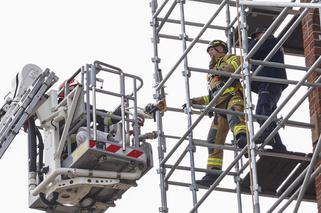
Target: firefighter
[72, 84]
[102, 122]
[231, 99]
[268, 93]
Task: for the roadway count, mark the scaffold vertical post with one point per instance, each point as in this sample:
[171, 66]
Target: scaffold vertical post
[228, 30]
[249, 111]
[187, 74]
[159, 124]
[237, 182]
[230, 42]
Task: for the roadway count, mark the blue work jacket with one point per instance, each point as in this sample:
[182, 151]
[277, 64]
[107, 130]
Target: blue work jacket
[260, 54]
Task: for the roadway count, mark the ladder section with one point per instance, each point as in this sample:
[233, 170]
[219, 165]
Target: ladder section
[16, 111]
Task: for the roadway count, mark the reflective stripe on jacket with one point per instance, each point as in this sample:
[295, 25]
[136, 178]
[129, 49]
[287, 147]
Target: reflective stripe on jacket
[227, 63]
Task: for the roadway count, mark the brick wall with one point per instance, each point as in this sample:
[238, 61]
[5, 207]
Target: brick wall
[312, 50]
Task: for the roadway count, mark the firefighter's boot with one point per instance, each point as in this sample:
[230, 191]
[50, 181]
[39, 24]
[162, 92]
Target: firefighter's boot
[277, 144]
[207, 180]
[241, 140]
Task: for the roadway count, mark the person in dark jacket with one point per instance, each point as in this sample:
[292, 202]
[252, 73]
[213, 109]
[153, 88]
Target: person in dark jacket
[268, 93]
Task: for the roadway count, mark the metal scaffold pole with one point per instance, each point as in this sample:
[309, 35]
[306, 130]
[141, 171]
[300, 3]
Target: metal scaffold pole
[230, 42]
[159, 95]
[249, 112]
[187, 74]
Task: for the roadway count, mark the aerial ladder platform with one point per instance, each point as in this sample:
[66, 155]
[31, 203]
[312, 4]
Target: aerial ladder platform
[81, 159]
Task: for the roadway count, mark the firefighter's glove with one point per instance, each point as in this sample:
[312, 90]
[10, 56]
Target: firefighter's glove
[161, 105]
[151, 109]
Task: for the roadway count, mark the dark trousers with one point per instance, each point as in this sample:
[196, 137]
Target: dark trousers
[269, 95]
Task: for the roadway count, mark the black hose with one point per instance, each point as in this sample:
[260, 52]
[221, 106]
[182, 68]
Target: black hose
[52, 202]
[32, 145]
[40, 155]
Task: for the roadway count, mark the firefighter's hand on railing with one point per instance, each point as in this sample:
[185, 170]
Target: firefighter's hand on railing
[149, 135]
[161, 105]
[153, 108]
[150, 108]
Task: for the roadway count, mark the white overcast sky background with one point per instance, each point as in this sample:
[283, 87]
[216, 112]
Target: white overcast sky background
[64, 35]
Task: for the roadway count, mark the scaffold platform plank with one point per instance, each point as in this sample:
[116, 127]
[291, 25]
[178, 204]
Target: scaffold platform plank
[264, 16]
[275, 174]
[310, 192]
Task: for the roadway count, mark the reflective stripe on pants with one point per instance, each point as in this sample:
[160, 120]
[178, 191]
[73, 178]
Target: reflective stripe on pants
[220, 126]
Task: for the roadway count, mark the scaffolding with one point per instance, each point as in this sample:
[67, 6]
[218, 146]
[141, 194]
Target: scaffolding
[301, 170]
